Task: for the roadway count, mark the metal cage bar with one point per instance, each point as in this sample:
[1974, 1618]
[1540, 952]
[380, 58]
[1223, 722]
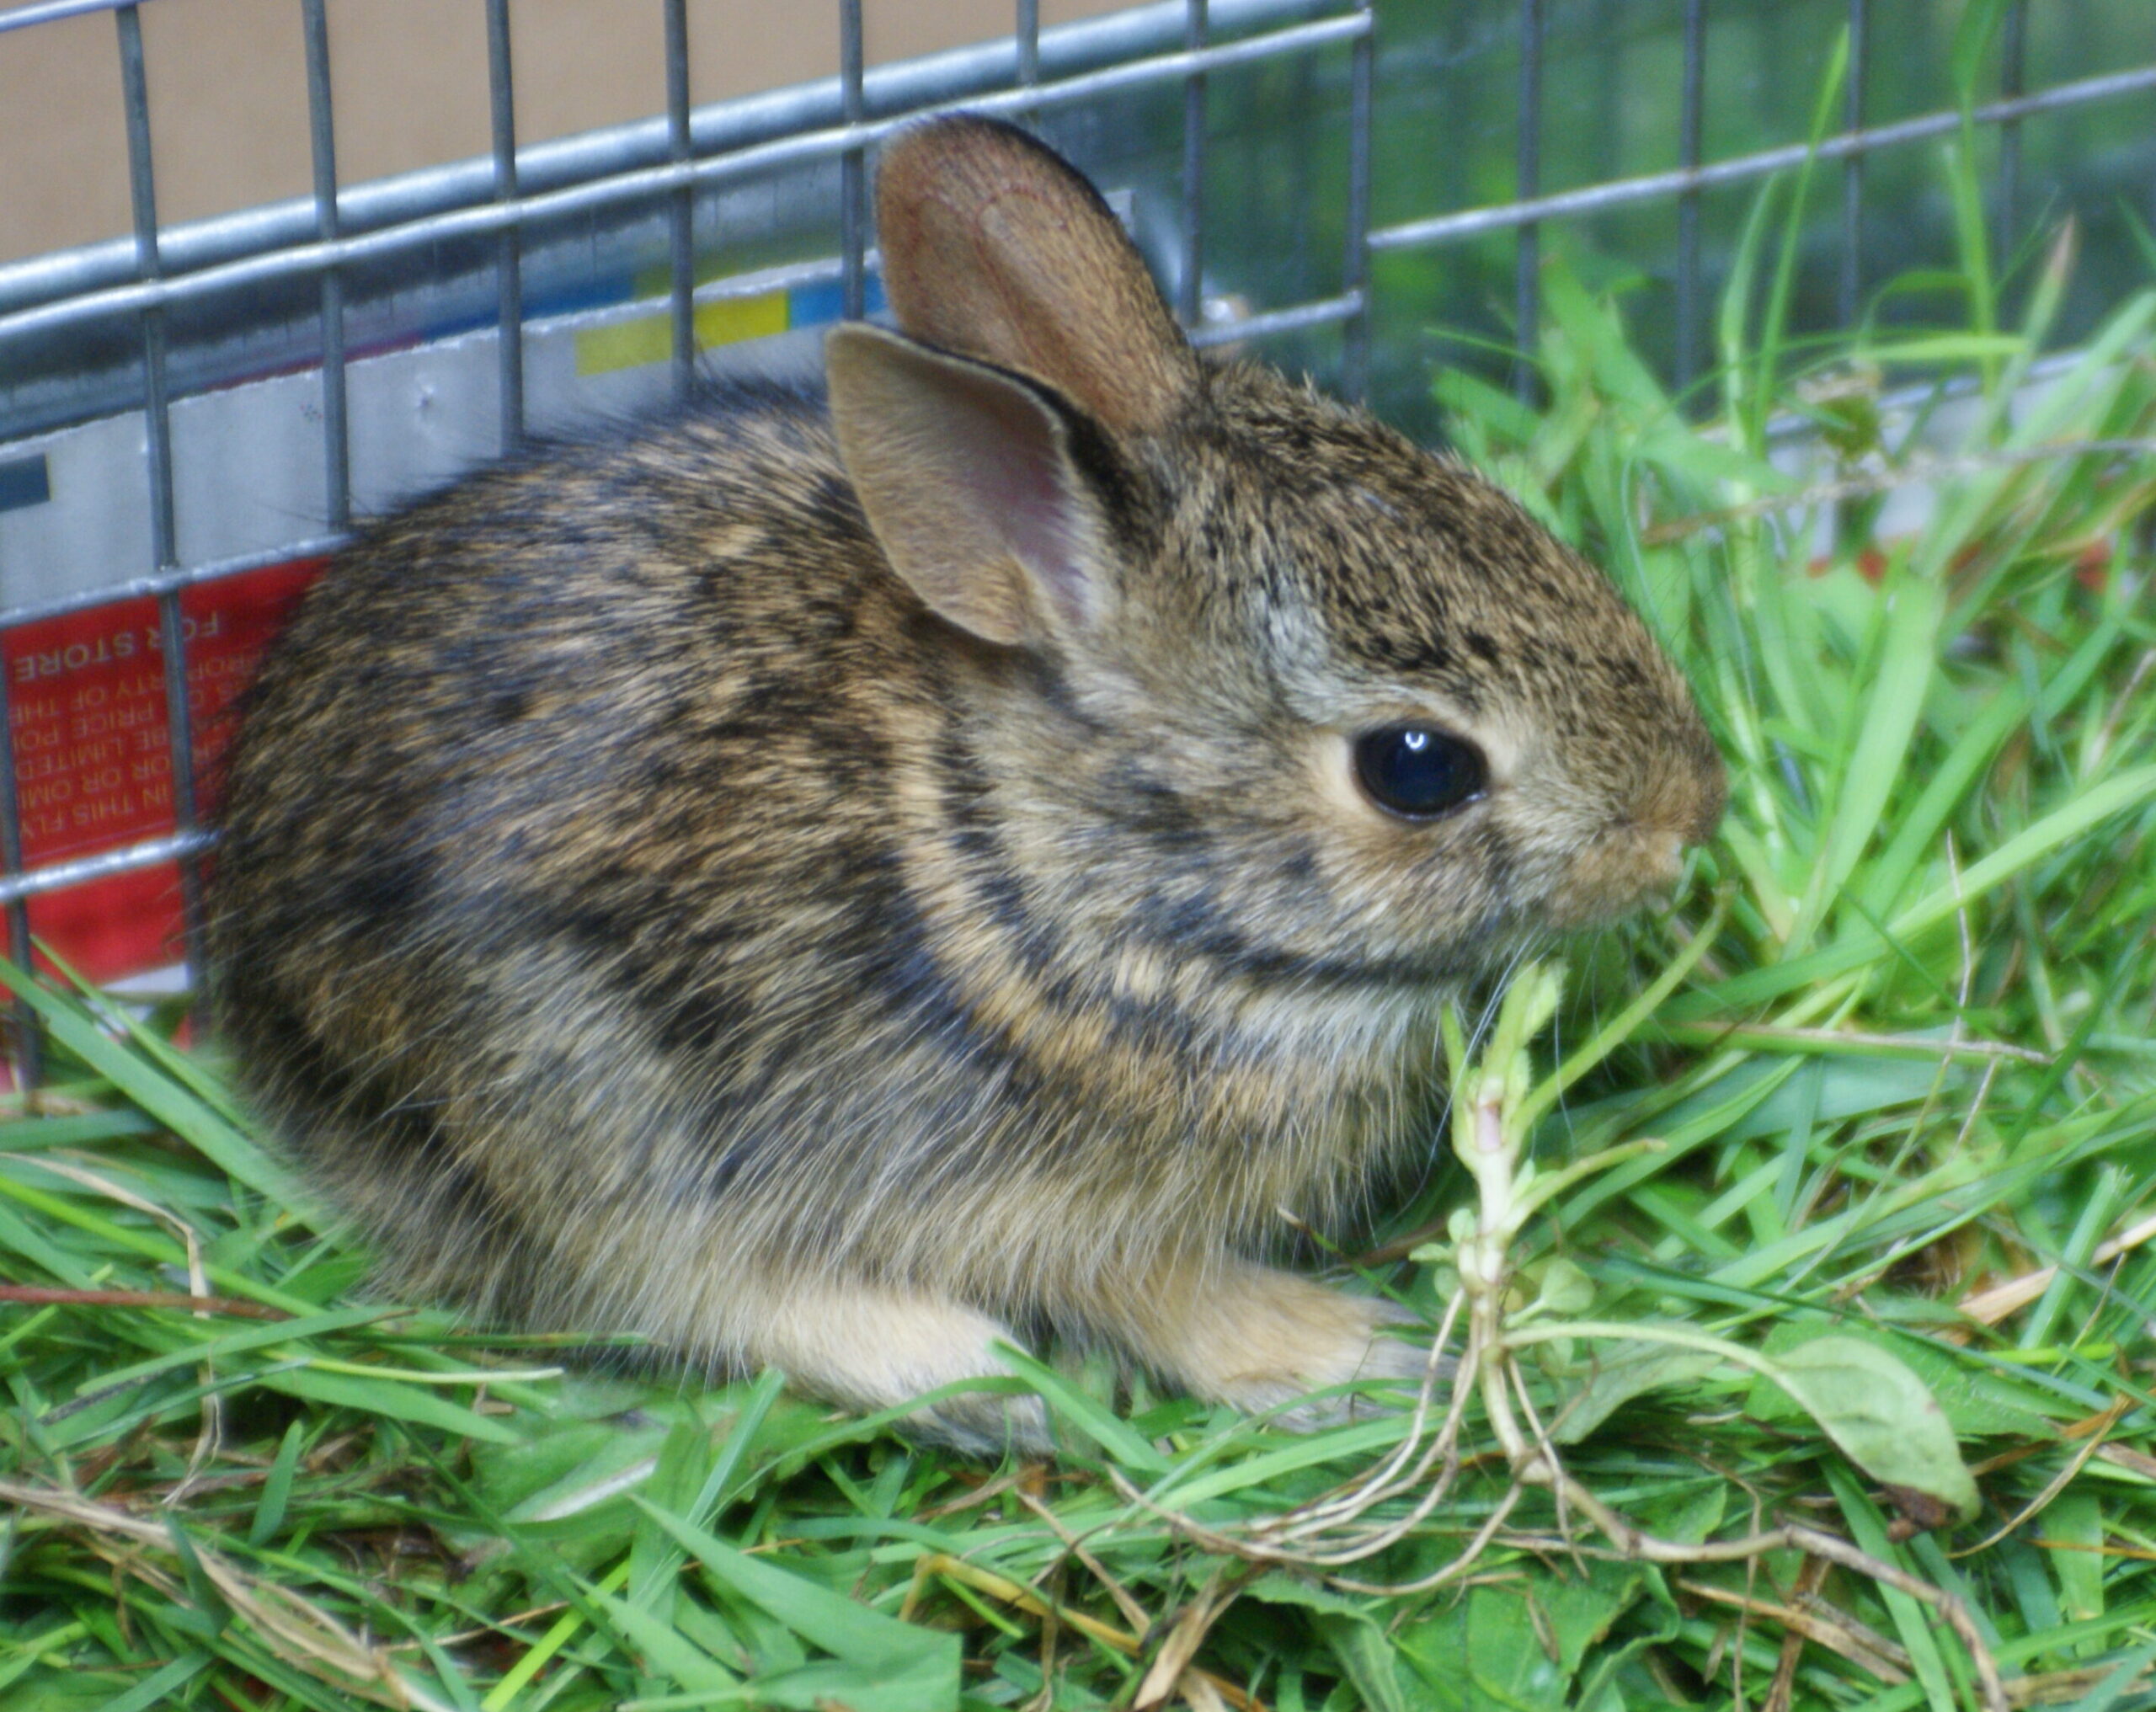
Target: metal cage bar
[142, 196]
[1027, 38]
[1527, 265]
[1851, 283]
[1190, 287]
[1355, 265]
[164, 552]
[321, 128]
[182, 847]
[681, 236]
[509, 252]
[1743, 169]
[640, 184]
[2013, 72]
[25, 1037]
[853, 166]
[1690, 120]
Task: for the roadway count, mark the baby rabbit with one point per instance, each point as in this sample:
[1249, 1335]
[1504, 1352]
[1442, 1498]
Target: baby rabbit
[835, 885]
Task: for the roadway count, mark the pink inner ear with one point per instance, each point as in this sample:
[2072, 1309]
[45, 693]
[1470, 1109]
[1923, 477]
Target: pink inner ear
[1019, 477]
[968, 482]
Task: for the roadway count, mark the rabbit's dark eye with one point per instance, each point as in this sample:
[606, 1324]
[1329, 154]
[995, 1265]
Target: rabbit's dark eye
[1417, 770]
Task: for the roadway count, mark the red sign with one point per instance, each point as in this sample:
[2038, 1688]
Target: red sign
[92, 753]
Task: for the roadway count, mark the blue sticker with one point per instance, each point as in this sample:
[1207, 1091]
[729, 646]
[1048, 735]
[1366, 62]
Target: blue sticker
[23, 481]
[814, 305]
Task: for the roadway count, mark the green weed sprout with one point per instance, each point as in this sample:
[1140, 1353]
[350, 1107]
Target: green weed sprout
[1875, 1409]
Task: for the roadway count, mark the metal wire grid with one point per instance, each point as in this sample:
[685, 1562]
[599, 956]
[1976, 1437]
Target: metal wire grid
[153, 289]
[1685, 183]
[624, 168]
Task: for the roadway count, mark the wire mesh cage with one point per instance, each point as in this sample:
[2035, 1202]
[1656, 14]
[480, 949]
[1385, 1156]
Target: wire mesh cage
[193, 412]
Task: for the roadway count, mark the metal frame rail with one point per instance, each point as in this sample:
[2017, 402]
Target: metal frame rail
[664, 163]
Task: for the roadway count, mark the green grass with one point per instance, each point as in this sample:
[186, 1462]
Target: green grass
[1902, 1094]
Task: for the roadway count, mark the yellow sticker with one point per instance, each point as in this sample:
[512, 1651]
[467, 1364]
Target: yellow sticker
[731, 319]
[632, 344]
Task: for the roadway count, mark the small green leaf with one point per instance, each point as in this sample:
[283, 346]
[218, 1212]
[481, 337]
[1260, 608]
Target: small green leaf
[1564, 1289]
[1619, 1372]
[1463, 394]
[400, 1402]
[277, 1489]
[662, 1646]
[1881, 1416]
[1278, 1587]
[1974, 36]
[1370, 1659]
[1978, 1401]
[157, 1689]
[2074, 1524]
[208, 1601]
[1518, 1644]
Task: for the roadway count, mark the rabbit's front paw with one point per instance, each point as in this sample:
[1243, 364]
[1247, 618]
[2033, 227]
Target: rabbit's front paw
[872, 1348]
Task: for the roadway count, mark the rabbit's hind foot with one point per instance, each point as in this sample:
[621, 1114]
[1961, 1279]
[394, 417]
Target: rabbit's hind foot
[1257, 1338]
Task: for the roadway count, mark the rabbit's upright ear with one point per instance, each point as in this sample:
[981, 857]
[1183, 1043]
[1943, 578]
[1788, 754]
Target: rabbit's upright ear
[993, 247]
[967, 478]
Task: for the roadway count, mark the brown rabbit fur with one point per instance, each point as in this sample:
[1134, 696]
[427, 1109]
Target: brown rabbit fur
[836, 896]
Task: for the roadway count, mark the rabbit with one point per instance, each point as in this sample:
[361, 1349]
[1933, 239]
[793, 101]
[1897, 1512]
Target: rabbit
[843, 883]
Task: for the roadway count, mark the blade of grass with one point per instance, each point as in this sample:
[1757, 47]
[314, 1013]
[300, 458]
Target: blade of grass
[164, 1099]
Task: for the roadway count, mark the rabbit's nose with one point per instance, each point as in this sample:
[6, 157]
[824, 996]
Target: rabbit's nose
[1688, 790]
[1618, 871]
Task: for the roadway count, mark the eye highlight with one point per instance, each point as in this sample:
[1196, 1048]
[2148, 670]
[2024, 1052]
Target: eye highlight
[1417, 771]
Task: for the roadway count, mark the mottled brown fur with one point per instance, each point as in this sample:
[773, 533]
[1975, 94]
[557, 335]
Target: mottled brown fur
[649, 900]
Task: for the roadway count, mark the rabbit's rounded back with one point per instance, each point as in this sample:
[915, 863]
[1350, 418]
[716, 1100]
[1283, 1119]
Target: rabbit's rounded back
[827, 888]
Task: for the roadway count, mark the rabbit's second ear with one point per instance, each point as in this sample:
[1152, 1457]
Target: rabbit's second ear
[995, 247]
[967, 478]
